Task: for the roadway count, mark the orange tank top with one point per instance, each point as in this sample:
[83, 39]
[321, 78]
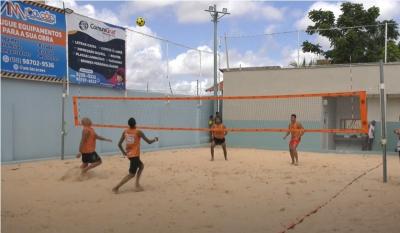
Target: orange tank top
[295, 130]
[132, 139]
[218, 131]
[89, 145]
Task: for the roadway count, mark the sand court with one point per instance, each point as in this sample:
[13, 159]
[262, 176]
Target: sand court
[255, 191]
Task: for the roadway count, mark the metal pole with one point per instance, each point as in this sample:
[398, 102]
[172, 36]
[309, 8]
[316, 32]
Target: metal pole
[383, 121]
[226, 52]
[298, 48]
[66, 48]
[197, 87]
[215, 20]
[386, 29]
[64, 95]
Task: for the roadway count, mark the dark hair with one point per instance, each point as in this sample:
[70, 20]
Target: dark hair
[293, 115]
[211, 116]
[132, 122]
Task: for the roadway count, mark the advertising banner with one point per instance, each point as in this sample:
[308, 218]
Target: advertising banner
[33, 39]
[96, 52]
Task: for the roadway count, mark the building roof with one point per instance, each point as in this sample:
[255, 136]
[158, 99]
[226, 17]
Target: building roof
[220, 87]
[238, 69]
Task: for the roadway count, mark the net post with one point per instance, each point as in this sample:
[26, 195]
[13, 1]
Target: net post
[75, 105]
[363, 111]
[63, 96]
[383, 120]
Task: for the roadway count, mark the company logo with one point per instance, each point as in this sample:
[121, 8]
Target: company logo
[106, 31]
[6, 58]
[83, 25]
[14, 9]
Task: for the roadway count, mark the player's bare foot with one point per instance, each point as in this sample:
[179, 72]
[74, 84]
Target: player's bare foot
[212, 159]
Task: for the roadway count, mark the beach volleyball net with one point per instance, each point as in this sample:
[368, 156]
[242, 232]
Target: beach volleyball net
[341, 112]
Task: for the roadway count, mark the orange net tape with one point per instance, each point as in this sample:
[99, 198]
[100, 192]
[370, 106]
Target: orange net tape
[361, 94]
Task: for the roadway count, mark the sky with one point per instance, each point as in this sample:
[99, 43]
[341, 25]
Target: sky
[157, 65]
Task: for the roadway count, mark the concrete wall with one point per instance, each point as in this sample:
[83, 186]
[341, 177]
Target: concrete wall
[31, 119]
[311, 80]
[265, 81]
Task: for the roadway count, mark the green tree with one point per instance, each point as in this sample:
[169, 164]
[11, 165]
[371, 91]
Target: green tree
[362, 44]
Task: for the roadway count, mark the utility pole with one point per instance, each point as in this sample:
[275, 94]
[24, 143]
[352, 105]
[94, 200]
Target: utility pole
[216, 15]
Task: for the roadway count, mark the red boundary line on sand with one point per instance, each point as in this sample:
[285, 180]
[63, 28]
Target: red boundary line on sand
[300, 220]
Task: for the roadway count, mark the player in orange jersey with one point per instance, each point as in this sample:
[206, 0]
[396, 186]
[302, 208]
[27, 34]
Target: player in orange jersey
[297, 131]
[132, 137]
[218, 137]
[87, 147]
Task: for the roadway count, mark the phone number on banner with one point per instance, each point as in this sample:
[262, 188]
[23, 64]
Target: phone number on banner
[38, 63]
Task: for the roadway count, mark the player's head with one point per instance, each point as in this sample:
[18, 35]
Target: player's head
[211, 117]
[373, 122]
[218, 120]
[293, 117]
[132, 122]
[86, 121]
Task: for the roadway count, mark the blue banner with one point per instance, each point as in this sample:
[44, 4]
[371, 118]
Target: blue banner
[33, 39]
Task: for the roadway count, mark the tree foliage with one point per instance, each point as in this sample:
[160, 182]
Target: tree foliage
[365, 43]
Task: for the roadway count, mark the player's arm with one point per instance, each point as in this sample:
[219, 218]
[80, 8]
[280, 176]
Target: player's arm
[121, 140]
[84, 138]
[287, 133]
[146, 139]
[98, 137]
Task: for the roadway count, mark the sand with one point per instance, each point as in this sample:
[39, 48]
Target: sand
[255, 191]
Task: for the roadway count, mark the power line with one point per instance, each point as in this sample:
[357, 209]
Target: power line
[144, 34]
[169, 41]
[312, 30]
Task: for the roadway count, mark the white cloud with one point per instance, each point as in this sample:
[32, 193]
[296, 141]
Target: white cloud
[188, 63]
[304, 22]
[87, 10]
[193, 11]
[270, 29]
[388, 9]
[324, 42]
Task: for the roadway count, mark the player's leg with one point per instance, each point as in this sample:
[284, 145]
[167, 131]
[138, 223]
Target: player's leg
[212, 149]
[132, 171]
[291, 151]
[295, 154]
[224, 149]
[94, 162]
[139, 173]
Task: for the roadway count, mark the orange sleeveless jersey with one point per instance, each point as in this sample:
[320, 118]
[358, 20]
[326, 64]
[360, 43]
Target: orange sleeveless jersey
[218, 131]
[295, 130]
[132, 139]
[89, 145]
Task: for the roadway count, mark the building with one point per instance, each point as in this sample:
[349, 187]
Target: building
[329, 113]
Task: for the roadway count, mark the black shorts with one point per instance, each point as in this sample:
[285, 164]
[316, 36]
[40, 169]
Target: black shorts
[135, 164]
[90, 157]
[219, 141]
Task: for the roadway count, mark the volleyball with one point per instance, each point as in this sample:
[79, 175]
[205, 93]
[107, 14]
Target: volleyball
[140, 21]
